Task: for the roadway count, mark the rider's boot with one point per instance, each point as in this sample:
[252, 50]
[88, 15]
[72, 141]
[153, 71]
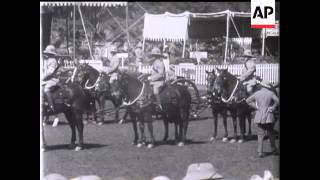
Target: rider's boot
[50, 101]
[158, 102]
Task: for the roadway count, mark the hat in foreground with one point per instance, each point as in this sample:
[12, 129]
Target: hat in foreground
[89, 177]
[199, 171]
[54, 176]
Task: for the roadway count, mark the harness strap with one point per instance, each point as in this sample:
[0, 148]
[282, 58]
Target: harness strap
[231, 96]
[138, 97]
[95, 84]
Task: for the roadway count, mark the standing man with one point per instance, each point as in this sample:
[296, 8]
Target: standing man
[114, 64]
[265, 102]
[247, 78]
[157, 77]
[50, 69]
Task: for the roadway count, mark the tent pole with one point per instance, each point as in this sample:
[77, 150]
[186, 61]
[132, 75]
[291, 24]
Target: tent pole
[74, 31]
[184, 48]
[85, 32]
[143, 42]
[227, 38]
[263, 41]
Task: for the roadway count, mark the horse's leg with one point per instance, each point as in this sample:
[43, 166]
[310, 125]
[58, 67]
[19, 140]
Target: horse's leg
[225, 125]
[242, 124]
[135, 128]
[185, 123]
[215, 125]
[249, 124]
[166, 127]
[148, 118]
[72, 123]
[176, 133]
[235, 130]
[142, 139]
[79, 125]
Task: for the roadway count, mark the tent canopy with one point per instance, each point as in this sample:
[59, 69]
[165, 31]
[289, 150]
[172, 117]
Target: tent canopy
[93, 4]
[177, 27]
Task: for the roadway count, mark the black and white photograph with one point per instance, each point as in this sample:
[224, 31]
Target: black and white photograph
[159, 91]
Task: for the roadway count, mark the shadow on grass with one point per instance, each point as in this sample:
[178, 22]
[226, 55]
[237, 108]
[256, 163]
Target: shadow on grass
[68, 147]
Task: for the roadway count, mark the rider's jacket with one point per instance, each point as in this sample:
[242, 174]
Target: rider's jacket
[248, 71]
[114, 65]
[50, 68]
[158, 71]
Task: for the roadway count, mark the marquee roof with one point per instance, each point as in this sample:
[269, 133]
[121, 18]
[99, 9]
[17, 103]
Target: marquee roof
[187, 25]
[92, 4]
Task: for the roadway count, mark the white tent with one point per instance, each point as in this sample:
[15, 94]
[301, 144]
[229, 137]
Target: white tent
[175, 27]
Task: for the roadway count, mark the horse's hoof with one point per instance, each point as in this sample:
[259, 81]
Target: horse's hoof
[180, 144]
[121, 121]
[232, 141]
[195, 115]
[225, 139]
[85, 122]
[212, 139]
[44, 124]
[100, 123]
[139, 145]
[150, 146]
[71, 146]
[78, 148]
[55, 122]
[240, 141]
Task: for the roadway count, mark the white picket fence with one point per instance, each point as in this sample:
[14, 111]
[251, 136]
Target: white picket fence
[197, 73]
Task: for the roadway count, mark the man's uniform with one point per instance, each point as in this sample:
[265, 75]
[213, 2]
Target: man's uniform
[50, 69]
[157, 77]
[113, 66]
[247, 77]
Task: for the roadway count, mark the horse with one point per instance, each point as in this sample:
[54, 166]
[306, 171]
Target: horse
[69, 99]
[233, 94]
[217, 107]
[137, 96]
[97, 86]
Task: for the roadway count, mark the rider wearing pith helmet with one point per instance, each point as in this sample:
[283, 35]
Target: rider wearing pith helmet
[247, 77]
[157, 77]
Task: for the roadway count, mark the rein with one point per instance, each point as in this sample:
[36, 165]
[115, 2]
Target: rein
[94, 85]
[138, 97]
[74, 74]
[231, 96]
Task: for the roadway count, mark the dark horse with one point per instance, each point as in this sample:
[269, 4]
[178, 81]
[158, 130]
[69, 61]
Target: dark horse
[217, 107]
[97, 85]
[137, 96]
[233, 94]
[71, 100]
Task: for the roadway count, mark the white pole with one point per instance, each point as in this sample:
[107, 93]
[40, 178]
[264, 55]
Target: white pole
[84, 28]
[263, 41]
[227, 38]
[74, 31]
[184, 47]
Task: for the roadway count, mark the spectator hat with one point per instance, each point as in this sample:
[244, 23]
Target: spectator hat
[247, 53]
[202, 171]
[55, 176]
[50, 49]
[88, 177]
[266, 83]
[156, 52]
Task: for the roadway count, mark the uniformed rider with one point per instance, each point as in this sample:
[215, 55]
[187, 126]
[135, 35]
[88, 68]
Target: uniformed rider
[247, 77]
[157, 77]
[51, 67]
[114, 65]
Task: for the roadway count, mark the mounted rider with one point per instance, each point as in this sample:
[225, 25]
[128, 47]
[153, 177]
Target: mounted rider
[247, 77]
[50, 70]
[114, 65]
[157, 77]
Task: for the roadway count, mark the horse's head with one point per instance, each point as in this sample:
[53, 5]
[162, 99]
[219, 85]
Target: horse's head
[119, 86]
[86, 74]
[223, 80]
[211, 76]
